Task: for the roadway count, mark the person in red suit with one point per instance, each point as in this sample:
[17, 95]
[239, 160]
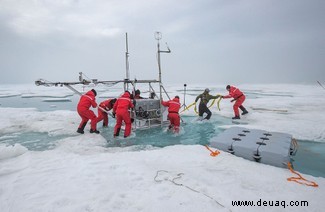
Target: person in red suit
[86, 101]
[173, 116]
[103, 108]
[239, 99]
[121, 111]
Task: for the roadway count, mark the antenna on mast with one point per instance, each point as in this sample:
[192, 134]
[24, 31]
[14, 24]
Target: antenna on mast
[127, 74]
[158, 37]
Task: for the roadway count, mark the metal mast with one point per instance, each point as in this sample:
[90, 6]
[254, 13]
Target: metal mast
[126, 85]
[158, 37]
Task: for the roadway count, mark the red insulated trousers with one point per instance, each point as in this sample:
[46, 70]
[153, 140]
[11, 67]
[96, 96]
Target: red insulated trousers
[174, 120]
[102, 115]
[123, 115]
[85, 116]
[238, 103]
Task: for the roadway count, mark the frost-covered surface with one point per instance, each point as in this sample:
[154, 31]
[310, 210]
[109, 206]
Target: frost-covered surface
[295, 109]
[81, 174]
[290, 108]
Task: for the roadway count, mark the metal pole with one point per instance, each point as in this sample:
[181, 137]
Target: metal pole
[184, 104]
[158, 36]
[127, 74]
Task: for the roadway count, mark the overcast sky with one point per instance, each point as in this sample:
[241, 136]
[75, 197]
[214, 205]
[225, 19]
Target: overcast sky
[212, 41]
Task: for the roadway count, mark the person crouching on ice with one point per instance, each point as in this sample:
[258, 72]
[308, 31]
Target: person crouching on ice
[103, 108]
[239, 97]
[173, 116]
[86, 101]
[121, 109]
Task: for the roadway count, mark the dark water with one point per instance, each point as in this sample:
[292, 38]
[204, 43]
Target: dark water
[34, 141]
[36, 102]
[310, 158]
[191, 133]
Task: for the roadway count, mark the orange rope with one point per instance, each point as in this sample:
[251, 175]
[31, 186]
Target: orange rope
[300, 178]
[213, 153]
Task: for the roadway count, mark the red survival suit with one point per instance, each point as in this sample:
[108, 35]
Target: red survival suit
[121, 108]
[106, 105]
[173, 116]
[238, 96]
[84, 104]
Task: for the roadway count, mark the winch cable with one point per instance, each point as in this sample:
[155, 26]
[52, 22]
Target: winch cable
[170, 178]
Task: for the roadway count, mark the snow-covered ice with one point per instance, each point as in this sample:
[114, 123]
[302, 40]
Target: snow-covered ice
[81, 173]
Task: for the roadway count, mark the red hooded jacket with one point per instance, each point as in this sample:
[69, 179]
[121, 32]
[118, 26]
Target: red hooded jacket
[234, 93]
[106, 104]
[123, 103]
[173, 105]
[86, 101]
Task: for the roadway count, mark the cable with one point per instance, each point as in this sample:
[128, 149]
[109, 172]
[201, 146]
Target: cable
[179, 176]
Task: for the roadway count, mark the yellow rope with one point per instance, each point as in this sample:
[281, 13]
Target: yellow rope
[219, 103]
[195, 109]
[212, 103]
[188, 107]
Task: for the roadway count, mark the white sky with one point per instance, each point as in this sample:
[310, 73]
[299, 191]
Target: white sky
[211, 41]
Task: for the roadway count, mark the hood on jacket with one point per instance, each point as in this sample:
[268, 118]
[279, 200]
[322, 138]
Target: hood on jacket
[126, 94]
[176, 99]
[90, 93]
[94, 91]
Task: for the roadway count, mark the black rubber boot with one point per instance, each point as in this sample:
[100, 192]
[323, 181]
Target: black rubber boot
[245, 112]
[81, 129]
[117, 132]
[94, 131]
[243, 109]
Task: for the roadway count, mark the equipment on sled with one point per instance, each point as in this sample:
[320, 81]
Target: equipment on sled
[147, 113]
